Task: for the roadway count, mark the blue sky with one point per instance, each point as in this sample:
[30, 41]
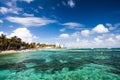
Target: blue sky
[71, 23]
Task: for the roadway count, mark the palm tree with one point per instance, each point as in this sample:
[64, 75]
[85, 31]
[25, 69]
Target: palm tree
[3, 42]
[8, 44]
[32, 45]
[16, 42]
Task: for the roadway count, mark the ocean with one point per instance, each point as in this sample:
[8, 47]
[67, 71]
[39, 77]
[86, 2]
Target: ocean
[64, 64]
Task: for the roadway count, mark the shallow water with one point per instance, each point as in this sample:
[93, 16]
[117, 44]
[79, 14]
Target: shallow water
[69, 64]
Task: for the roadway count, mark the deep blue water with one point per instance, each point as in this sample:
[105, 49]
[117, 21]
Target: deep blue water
[67, 64]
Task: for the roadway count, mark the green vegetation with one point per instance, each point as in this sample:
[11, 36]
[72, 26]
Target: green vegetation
[15, 43]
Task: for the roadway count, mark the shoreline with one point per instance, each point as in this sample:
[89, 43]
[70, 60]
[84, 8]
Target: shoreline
[34, 49]
[26, 50]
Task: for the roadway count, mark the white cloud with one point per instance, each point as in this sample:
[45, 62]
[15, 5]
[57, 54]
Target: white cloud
[110, 26]
[5, 10]
[26, 14]
[23, 33]
[78, 39]
[85, 33]
[71, 3]
[103, 41]
[110, 40]
[77, 44]
[1, 21]
[62, 30]
[118, 37]
[76, 34]
[97, 40]
[11, 7]
[113, 27]
[2, 32]
[106, 40]
[100, 28]
[64, 35]
[10, 4]
[28, 1]
[30, 21]
[72, 24]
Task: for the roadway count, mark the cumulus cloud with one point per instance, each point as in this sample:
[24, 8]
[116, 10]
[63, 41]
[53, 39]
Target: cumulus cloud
[100, 28]
[85, 33]
[111, 40]
[93, 43]
[80, 40]
[71, 3]
[5, 10]
[76, 34]
[64, 35]
[77, 44]
[98, 40]
[30, 21]
[23, 33]
[107, 40]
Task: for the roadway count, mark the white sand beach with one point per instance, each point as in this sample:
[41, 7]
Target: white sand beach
[26, 50]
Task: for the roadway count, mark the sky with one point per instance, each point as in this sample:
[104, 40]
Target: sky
[71, 23]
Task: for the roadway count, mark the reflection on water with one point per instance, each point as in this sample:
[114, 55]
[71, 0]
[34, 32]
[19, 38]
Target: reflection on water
[72, 64]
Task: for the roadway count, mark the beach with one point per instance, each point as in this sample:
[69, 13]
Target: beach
[14, 51]
[25, 50]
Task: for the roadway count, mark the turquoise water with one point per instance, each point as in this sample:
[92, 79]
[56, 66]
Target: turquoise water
[69, 64]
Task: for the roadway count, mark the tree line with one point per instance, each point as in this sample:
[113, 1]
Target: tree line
[16, 43]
